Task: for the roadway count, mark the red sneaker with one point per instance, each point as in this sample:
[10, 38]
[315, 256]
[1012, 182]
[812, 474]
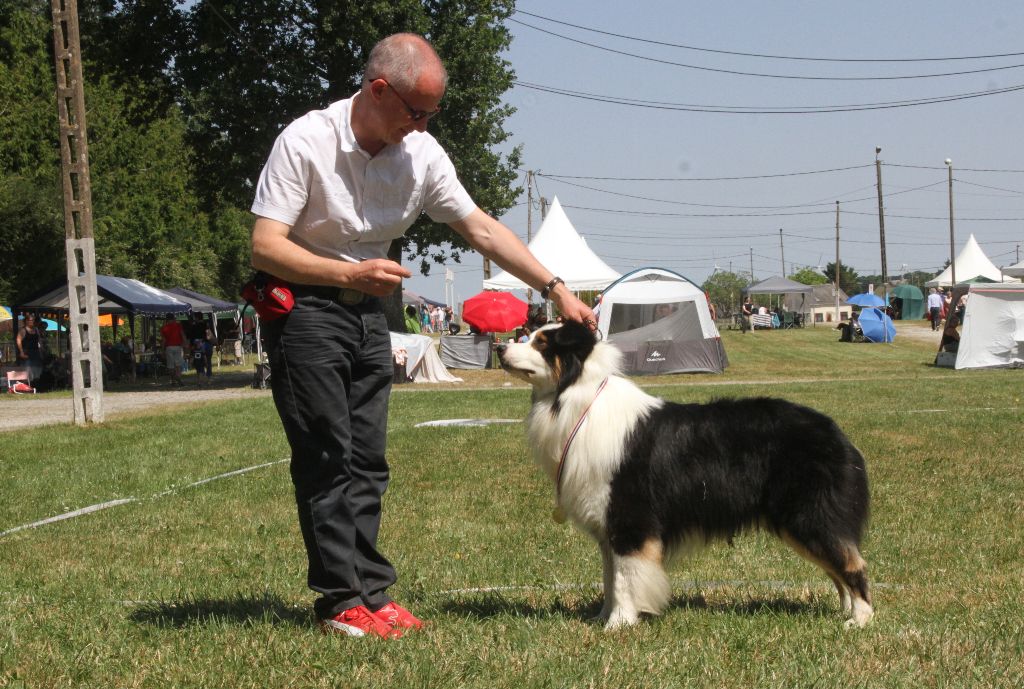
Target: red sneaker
[397, 618]
[358, 621]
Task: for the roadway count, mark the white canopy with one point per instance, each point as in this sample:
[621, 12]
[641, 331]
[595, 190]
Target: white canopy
[1016, 270]
[970, 263]
[564, 252]
[993, 332]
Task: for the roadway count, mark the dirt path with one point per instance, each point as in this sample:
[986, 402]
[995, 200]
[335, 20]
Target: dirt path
[27, 411]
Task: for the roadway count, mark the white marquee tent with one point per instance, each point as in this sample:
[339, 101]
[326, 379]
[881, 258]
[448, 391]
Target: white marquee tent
[564, 252]
[970, 263]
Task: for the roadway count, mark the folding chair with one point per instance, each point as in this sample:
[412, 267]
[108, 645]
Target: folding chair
[19, 382]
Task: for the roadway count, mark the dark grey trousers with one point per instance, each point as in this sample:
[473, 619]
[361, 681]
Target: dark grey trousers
[331, 371]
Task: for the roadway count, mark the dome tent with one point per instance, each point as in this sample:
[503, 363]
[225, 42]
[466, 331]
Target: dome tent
[662, 324]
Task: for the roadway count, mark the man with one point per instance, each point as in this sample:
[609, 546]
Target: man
[935, 308]
[173, 337]
[338, 187]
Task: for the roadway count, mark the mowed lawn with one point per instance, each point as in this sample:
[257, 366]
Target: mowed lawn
[190, 582]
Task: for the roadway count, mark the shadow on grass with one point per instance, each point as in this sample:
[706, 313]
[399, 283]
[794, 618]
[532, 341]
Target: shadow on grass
[240, 610]
[490, 605]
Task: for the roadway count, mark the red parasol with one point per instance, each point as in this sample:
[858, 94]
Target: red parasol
[494, 312]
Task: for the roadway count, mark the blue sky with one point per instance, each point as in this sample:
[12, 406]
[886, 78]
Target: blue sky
[695, 220]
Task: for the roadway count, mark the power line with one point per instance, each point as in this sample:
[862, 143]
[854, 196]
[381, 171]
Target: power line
[762, 55]
[762, 75]
[704, 179]
[762, 110]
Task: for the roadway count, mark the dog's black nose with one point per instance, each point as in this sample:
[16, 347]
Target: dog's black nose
[500, 349]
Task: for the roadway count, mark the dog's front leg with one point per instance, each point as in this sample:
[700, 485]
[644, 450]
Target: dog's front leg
[639, 584]
[608, 573]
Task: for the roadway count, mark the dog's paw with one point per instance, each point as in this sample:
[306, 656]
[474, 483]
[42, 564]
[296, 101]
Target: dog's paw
[862, 614]
[620, 618]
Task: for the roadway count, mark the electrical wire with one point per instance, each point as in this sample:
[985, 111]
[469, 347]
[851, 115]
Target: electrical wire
[762, 75]
[762, 110]
[762, 55]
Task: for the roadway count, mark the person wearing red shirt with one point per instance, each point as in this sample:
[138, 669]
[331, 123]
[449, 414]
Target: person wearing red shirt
[173, 337]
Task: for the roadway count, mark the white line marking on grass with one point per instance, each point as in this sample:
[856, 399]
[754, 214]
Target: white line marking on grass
[70, 515]
[124, 501]
[236, 472]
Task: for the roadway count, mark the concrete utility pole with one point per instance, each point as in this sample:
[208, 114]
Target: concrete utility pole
[881, 219]
[79, 247]
[952, 250]
[529, 221]
[751, 265]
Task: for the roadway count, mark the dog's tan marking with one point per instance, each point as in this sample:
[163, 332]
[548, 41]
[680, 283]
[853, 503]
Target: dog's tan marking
[653, 550]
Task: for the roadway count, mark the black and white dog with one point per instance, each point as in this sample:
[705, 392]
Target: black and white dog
[647, 478]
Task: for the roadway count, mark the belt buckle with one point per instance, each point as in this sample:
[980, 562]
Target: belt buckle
[350, 297]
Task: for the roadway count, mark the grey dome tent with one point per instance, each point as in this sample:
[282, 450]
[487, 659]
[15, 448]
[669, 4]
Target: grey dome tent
[662, 324]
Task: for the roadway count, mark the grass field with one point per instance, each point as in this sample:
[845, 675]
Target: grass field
[202, 584]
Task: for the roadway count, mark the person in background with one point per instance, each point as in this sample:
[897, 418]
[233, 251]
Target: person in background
[935, 308]
[338, 187]
[30, 343]
[173, 337]
[412, 325]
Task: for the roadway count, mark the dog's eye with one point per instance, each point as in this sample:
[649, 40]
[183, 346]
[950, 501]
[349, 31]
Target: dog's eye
[540, 343]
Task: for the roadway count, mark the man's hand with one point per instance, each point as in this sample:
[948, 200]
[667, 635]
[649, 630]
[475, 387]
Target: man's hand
[376, 276]
[572, 308]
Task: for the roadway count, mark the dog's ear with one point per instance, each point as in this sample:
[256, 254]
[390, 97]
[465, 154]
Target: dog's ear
[575, 336]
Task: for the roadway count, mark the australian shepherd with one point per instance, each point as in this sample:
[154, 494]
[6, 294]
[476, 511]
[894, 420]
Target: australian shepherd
[648, 478]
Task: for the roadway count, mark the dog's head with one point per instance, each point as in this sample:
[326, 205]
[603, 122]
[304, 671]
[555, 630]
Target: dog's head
[557, 356]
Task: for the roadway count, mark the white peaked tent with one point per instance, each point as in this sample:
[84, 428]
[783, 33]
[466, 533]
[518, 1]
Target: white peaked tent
[970, 263]
[565, 253]
[662, 324]
[993, 330]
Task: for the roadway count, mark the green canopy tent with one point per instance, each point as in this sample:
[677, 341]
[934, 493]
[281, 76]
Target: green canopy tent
[911, 304]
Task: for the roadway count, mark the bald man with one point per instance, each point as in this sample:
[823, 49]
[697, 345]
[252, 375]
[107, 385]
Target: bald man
[340, 184]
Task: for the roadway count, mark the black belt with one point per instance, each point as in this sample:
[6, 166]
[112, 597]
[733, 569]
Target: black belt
[341, 295]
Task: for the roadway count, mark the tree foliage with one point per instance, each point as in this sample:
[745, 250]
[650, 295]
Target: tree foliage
[184, 102]
[726, 291]
[847, 278]
[808, 276]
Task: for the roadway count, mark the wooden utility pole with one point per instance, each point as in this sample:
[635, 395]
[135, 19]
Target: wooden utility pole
[838, 267]
[782, 250]
[952, 248]
[529, 221]
[881, 219]
[79, 248]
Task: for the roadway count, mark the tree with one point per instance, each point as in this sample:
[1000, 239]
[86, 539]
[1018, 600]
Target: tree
[146, 221]
[32, 239]
[808, 276]
[847, 278]
[726, 291]
[249, 69]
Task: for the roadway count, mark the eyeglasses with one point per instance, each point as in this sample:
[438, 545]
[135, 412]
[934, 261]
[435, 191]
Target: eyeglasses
[414, 114]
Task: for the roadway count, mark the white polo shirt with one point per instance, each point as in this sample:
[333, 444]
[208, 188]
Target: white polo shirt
[343, 203]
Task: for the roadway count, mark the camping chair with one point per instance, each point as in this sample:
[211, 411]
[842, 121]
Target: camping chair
[19, 382]
[788, 319]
